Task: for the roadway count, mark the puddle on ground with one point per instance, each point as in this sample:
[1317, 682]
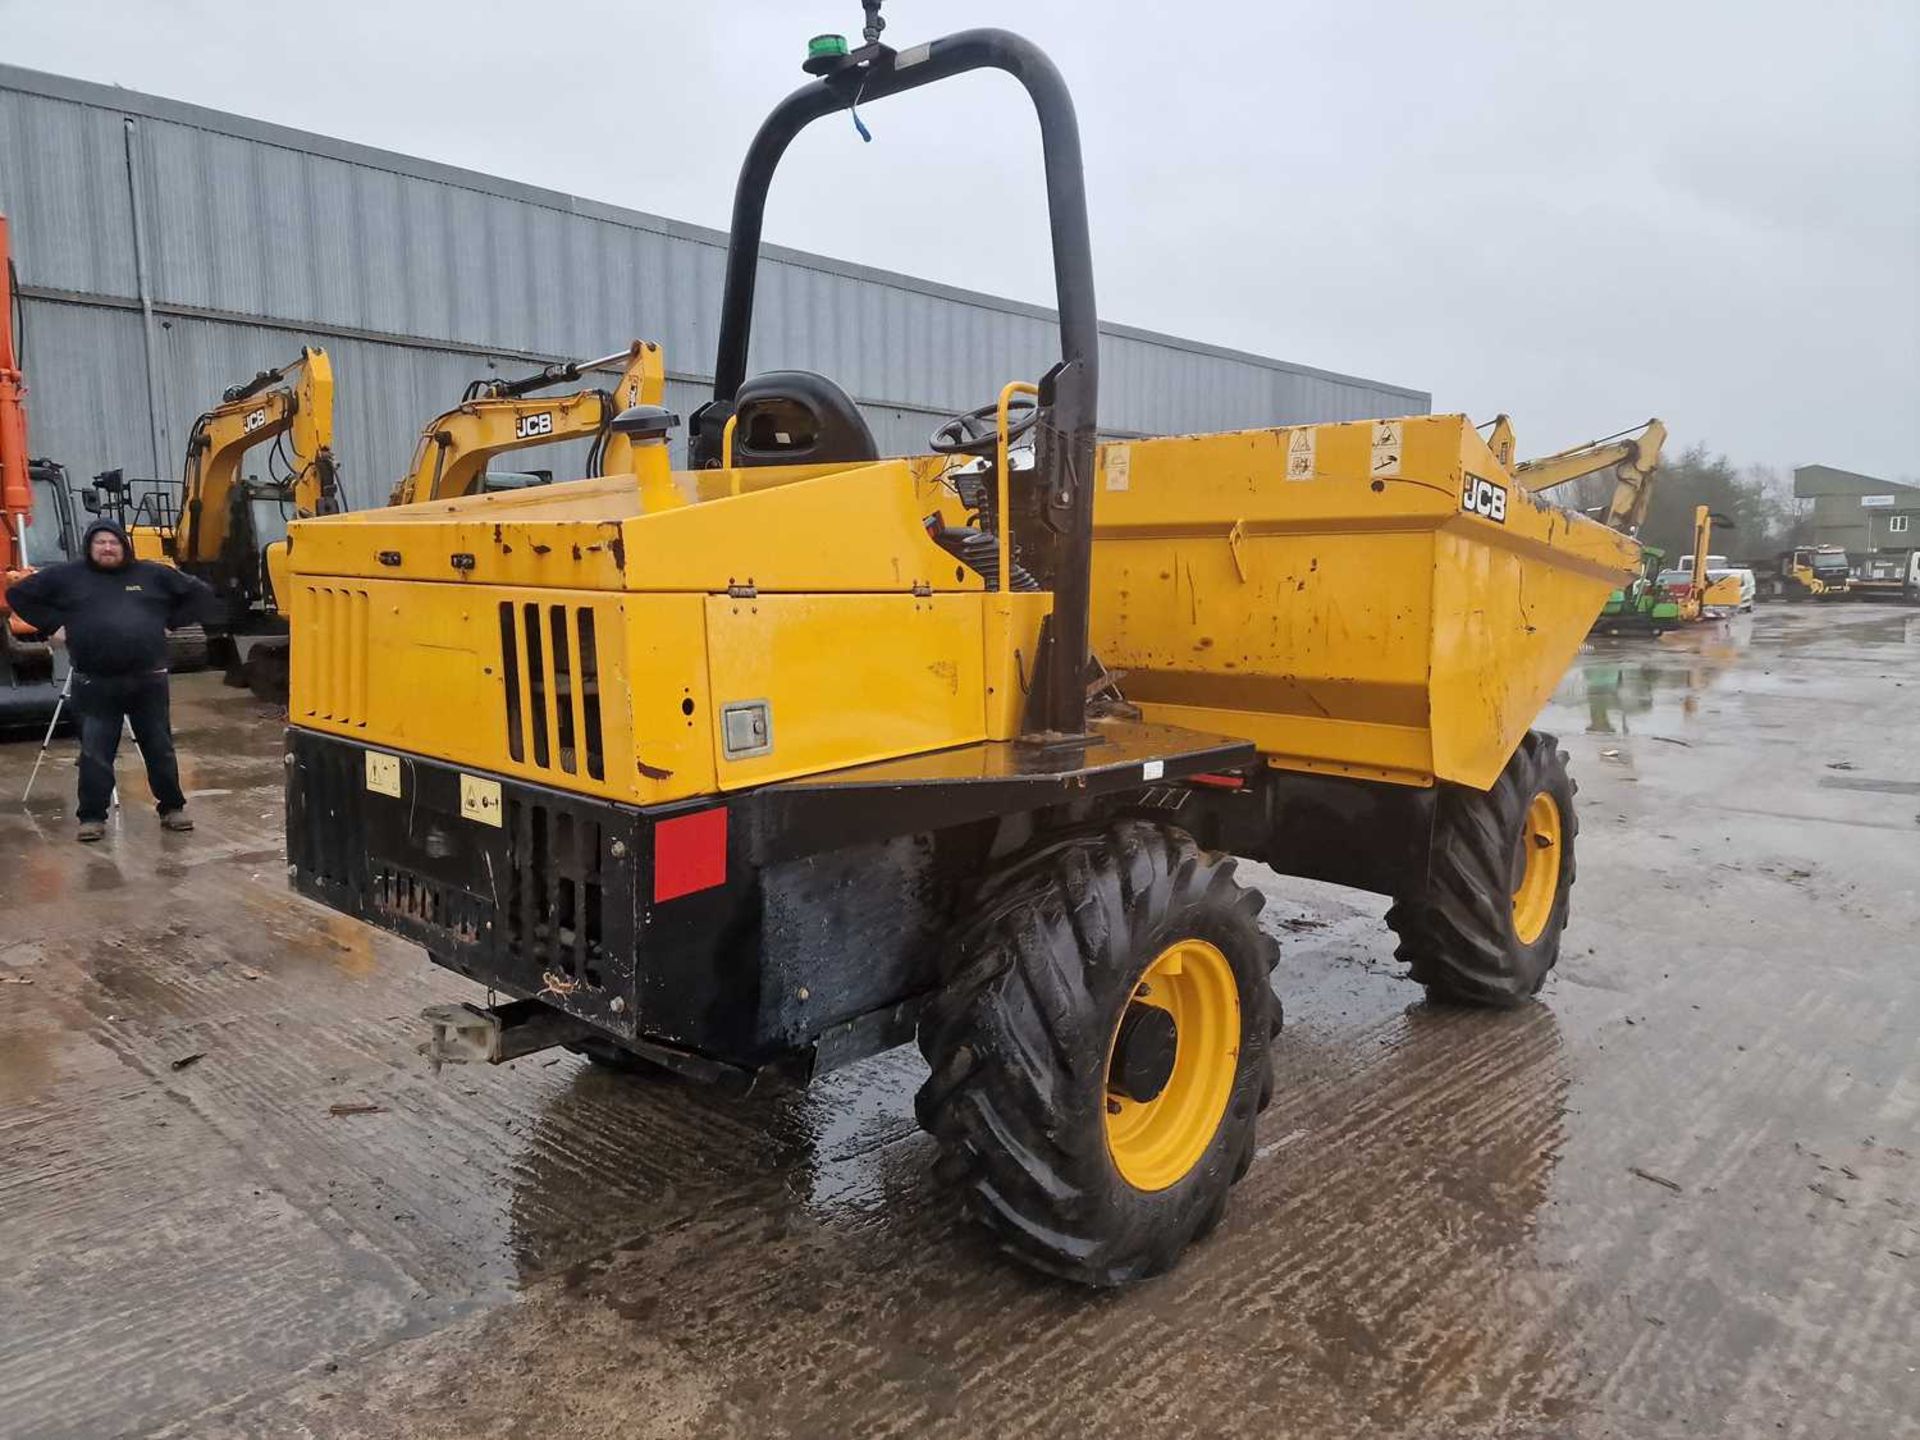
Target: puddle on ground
[1892, 628]
[614, 1160]
[1627, 687]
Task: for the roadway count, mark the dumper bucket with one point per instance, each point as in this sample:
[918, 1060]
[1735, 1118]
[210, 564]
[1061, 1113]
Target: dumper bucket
[1375, 599]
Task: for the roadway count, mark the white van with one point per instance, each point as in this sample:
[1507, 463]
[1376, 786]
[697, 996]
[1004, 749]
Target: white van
[1718, 569]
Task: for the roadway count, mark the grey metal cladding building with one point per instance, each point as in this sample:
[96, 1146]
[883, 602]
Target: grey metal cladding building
[1862, 514]
[167, 251]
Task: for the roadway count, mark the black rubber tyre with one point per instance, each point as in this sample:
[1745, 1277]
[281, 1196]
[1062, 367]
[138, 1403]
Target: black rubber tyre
[1020, 1038]
[1459, 938]
[187, 650]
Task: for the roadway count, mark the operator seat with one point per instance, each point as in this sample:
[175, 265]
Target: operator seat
[789, 417]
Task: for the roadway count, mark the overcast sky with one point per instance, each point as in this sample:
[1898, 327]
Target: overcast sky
[1582, 214]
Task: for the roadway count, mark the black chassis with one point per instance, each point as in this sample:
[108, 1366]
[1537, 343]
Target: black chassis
[822, 941]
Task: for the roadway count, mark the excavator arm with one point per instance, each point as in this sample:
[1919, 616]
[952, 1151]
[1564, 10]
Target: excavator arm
[1632, 457]
[294, 400]
[29, 671]
[500, 416]
[1703, 521]
[16, 493]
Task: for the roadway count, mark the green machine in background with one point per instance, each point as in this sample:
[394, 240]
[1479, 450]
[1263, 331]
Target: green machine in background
[1643, 606]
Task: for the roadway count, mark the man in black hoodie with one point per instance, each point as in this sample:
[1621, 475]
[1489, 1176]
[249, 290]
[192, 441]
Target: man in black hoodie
[116, 612]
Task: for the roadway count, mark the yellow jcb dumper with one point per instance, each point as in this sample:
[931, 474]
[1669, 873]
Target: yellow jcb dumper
[800, 753]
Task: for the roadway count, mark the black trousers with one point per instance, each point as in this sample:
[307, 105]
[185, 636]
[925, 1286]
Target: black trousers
[103, 703]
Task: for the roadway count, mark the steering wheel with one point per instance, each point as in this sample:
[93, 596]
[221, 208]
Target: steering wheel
[976, 432]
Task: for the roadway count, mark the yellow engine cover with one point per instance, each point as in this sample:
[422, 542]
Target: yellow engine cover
[771, 624]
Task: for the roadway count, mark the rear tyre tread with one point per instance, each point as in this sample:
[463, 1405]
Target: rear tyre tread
[1016, 1043]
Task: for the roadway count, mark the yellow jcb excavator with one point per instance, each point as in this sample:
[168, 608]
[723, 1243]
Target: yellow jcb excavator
[1699, 596]
[1641, 605]
[498, 416]
[221, 524]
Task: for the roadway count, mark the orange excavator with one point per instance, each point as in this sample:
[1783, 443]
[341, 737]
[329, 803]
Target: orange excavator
[31, 672]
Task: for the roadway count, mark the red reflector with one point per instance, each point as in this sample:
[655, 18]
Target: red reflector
[689, 853]
[1218, 782]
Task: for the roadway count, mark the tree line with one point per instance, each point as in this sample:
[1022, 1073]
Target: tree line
[1759, 515]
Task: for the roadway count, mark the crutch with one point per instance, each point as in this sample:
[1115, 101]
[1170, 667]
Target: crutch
[66, 691]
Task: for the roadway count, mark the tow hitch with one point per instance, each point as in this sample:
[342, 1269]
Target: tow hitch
[469, 1035]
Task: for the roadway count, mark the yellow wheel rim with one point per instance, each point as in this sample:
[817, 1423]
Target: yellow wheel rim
[1538, 867]
[1156, 1142]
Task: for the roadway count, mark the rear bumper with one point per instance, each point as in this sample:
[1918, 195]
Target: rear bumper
[540, 903]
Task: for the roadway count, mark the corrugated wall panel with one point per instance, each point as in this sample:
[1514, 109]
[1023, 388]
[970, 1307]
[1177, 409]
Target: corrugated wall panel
[93, 416]
[88, 415]
[411, 273]
[63, 187]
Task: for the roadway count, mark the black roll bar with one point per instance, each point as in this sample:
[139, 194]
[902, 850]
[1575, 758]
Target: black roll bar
[1066, 467]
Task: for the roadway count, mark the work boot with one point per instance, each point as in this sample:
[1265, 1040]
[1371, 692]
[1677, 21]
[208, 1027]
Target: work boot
[90, 830]
[175, 820]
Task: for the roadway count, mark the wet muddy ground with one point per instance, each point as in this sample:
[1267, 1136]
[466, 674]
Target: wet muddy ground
[1680, 1197]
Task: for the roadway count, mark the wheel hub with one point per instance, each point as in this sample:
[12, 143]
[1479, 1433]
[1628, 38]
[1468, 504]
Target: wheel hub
[1170, 1072]
[1143, 1053]
[1536, 868]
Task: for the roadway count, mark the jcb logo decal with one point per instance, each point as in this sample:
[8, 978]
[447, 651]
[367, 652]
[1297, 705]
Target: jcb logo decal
[1483, 497]
[528, 427]
[255, 419]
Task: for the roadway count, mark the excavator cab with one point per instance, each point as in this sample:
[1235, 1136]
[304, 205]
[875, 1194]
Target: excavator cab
[148, 510]
[228, 526]
[265, 509]
[55, 533]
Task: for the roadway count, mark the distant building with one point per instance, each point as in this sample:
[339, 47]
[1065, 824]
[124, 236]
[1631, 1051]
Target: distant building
[1858, 512]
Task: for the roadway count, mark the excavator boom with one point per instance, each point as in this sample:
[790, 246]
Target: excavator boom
[1633, 458]
[16, 494]
[500, 416]
[30, 672]
[494, 418]
[294, 400]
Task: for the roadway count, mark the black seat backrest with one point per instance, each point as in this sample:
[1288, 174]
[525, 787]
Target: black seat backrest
[795, 417]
